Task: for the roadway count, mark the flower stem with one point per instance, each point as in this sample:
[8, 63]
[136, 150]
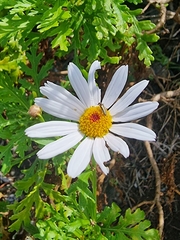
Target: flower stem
[94, 188]
[41, 118]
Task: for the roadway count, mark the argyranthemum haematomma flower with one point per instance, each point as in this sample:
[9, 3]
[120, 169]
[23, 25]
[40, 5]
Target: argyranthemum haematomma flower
[92, 121]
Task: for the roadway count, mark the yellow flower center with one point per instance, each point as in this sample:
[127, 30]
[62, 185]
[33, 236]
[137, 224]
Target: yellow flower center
[95, 121]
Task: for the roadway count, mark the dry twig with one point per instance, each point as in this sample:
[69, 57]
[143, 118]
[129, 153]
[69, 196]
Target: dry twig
[156, 201]
[158, 182]
[163, 13]
[167, 94]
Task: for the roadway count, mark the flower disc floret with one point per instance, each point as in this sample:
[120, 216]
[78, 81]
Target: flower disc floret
[94, 122]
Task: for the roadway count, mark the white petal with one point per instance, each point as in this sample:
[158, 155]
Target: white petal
[61, 95]
[116, 86]
[133, 130]
[101, 154]
[94, 89]
[135, 111]
[57, 109]
[79, 84]
[59, 146]
[128, 97]
[117, 144]
[80, 158]
[51, 129]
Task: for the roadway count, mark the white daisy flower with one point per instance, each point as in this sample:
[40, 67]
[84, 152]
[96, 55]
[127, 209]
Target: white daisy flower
[92, 121]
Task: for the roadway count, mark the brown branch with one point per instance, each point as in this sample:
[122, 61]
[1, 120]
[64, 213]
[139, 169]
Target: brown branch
[163, 95]
[157, 199]
[167, 94]
[162, 20]
[151, 202]
[158, 188]
[163, 14]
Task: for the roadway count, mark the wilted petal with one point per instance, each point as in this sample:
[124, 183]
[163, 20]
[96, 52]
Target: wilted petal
[51, 129]
[94, 89]
[133, 130]
[128, 97]
[79, 84]
[80, 158]
[135, 111]
[101, 154]
[59, 146]
[117, 144]
[115, 86]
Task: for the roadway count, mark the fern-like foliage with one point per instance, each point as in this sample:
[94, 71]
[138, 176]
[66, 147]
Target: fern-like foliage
[91, 29]
[72, 216]
[14, 106]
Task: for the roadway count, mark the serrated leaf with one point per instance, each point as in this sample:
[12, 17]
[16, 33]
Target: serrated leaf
[152, 234]
[19, 217]
[16, 140]
[10, 93]
[45, 68]
[32, 71]
[133, 226]
[53, 16]
[144, 52]
[150, 38]
[146, 25]
[84, 190]
[5, 154]
[133, 218]
[109, 215]
[88, 38]
[122, 236]
[22, 210]
[61, 38]
[77, 224]
[24, 185]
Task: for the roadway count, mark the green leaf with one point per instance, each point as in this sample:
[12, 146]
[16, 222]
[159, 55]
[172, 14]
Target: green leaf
[43, 141]
[144, 52]
[135, 1]
[21, 145]
[32, 71]
[3, 207]
[53, 16]
[85, 27]
[61, 39]
[131, 226]
[33, 179]
[109, 215]
[11, 93]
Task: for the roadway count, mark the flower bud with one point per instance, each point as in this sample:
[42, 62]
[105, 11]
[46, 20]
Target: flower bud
[34, 111]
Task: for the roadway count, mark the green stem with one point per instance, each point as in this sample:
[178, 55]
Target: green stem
[94, 188]
[41, 118]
